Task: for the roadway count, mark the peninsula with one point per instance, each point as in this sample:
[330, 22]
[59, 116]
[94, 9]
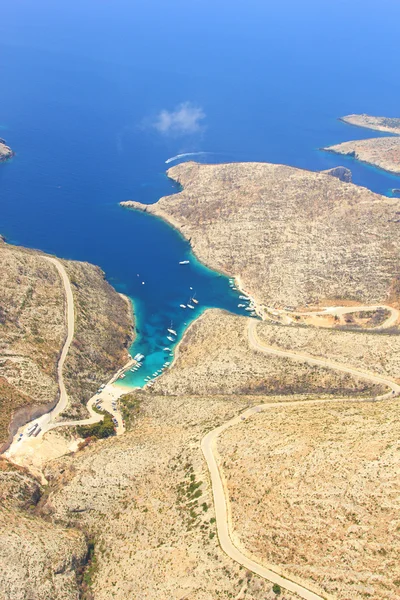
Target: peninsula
[382, 152]
[386, 124]
[292, 237]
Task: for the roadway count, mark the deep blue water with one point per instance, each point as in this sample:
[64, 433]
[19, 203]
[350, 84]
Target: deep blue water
[83, 86]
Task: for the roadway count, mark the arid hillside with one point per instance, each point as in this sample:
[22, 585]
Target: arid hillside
[381, 152]
[38, 559]
[146, 502]
[215, 357]
[33, 330]
[386, 124]
[294, 237]
[315, 489]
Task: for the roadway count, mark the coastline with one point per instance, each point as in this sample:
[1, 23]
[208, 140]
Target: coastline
[370, 128]
[364, 162]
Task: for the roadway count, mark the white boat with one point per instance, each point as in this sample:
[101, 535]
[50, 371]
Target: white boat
[172, 331]
[122, 376]
[171, 339]
[182, 305]
[195, 301]
[167, 349]
[183, 262]
[190, 306]
[248, 308]
[241, 305]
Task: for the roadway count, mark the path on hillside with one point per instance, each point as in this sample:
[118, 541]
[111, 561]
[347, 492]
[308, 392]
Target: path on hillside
[257, 344]
[272, 573]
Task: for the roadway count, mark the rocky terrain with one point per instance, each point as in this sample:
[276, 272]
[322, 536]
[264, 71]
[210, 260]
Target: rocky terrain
[381, 152]
[38, 558]
[386, 124]
[5, 151]
[315, 489]
[214, 357]
[292, 236]
[33, 327]
[145, 500]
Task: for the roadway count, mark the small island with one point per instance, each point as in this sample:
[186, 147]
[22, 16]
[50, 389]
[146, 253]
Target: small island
[381, 152]
[5, 151]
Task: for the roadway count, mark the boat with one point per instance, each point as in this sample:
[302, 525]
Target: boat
[195, 301]
[172, 331]
[170, 338]
[183, 262]
[182, 305]
[122, 376]
[167, 349]
[241, 305]
[248, 308]
[190, 306]
[244, 297]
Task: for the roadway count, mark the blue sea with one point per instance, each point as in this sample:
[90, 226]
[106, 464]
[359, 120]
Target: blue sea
[97, 95]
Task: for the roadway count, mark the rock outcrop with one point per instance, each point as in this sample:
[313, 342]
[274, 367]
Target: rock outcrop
[342, 173]
[5, 151]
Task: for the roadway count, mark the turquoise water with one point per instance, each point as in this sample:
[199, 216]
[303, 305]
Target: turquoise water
[97, 96]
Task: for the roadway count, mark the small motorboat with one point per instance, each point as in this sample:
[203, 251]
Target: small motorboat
[183, 262]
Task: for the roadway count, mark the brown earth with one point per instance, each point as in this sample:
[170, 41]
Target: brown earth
[381, 152]
[214, 357]
[294, 237]
[145, 499]
[387, 124]
[38, 559]
[315, 489]
[33, 330]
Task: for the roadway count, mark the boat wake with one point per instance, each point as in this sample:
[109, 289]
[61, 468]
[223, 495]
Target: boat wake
[186, 154]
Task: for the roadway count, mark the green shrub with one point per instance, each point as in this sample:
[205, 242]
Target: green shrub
[102, 429]
[276, 589]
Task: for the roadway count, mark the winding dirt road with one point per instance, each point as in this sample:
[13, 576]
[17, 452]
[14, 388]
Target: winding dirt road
[272, 573]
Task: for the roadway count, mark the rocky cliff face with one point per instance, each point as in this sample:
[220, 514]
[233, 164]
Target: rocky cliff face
[342, 173]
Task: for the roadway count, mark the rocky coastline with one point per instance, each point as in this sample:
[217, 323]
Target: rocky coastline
[5, 151]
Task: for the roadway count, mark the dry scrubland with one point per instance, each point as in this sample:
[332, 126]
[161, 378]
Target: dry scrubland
[386, 124]
[145, 498]
[215, 358]
[33, 330]
[38, 559]
[293, 236]
[376, 353]
[381, 152]
[315, 489]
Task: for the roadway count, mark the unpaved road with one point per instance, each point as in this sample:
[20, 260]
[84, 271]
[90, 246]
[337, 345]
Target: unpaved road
[339, 311]
[209, 447]
[258, 345]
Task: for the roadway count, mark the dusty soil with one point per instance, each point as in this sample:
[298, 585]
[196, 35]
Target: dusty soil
[146, 500]
[316, 489]
[214, 357]
[373, 352]
[38, 559]
[294, 237]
